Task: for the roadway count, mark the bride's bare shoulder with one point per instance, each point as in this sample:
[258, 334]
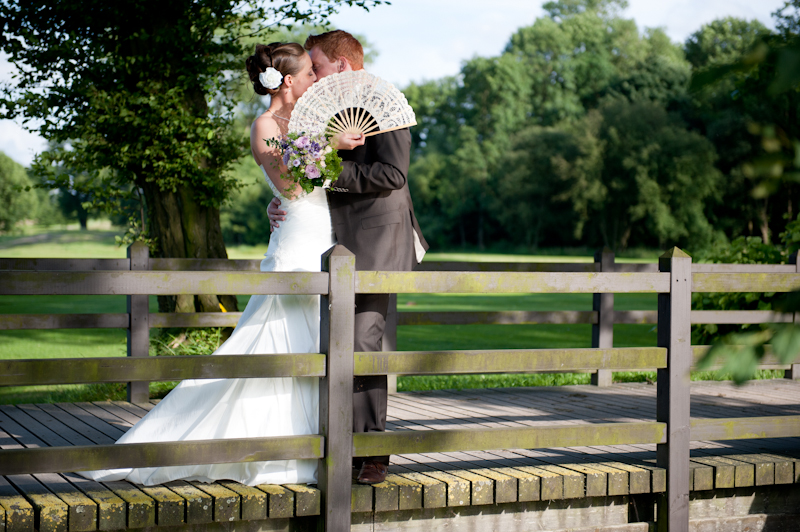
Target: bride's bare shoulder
[265, 125]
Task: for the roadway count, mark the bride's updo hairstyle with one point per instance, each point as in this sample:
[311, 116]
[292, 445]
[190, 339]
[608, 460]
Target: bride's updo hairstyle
[285, 57]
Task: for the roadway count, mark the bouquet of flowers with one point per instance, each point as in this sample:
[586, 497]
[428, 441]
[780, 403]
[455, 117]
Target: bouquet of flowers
[310, 160]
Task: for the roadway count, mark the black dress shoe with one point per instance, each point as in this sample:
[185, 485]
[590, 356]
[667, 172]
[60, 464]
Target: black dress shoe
[372, 472]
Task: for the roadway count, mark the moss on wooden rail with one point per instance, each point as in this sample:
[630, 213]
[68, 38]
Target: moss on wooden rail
[129, 369]
[92, 457]
[411, 442]
[509, 360]
[375, 282]
[745, 282]
[745, 428]
[161, 283]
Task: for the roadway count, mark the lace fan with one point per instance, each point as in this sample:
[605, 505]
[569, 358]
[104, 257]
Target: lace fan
[351, 102]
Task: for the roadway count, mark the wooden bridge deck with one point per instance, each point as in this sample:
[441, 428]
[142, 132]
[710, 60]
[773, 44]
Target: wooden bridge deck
[68, 503]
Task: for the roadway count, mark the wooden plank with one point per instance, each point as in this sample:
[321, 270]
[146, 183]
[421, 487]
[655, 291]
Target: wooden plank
[724, 472]
[784, 469]
[50, 512]
[453, 266]
[226, 503]
[10, 322]
[552, 484]
[111, 510]
[337, 323]
[458, 489]
[540, 437]
[106, 416]
[574, 482]
[138, 333]
[596, 479]
[94, 457]
[505, 486]
[79, 424]
[170, 507]
[360, 498]
[702, 476]
[19, 283]
[373, 282]
[77, 413]
[513, 317]
[184, 320]
[200, 265]
[386, 496]
[307, 500]
[673, 392]
[743, 268]
[506, 361]
[434, 492]
[281, 501]
[528, 485]
[409, 492]
[737, 317]
[141, 508]
[253, 501]
[34, 434]
[745, 282]
[117, 369]
[638, 477]
[65, 264]
[481, 487]
[764, 467]
[603, 327]
[745, 428]
[199, 504]
[81, 510]
[70, 434]
[19, 514]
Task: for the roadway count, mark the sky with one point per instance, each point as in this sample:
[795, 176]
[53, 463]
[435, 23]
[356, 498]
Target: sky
[420, 40]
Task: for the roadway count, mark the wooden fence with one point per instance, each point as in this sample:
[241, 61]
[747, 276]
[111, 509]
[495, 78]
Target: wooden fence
[337, 363]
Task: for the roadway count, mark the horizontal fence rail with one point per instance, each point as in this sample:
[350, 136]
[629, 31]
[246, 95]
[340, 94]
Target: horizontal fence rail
[140, 276]
[97, 457]
[162, 368]
[371, 282]
[161, 283]
[745, 428]
[507, 361]
[544, 437]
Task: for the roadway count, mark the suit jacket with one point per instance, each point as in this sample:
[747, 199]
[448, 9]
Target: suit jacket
[371, 207]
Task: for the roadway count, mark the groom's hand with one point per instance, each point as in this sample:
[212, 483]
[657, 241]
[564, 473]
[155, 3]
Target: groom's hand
[346, 141]
[275, 214]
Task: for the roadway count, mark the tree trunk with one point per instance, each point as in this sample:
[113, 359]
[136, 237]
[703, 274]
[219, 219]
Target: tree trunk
[183, 228]
[764, 219]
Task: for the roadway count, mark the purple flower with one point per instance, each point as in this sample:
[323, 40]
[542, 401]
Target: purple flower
[286, 158]
[312, 172]
[302, 142]
[296, 163]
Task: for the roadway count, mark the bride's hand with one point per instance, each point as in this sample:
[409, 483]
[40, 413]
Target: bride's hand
[346, 141]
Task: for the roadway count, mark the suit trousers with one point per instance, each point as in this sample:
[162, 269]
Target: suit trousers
[370, 392]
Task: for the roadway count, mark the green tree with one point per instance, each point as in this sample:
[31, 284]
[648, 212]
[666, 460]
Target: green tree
[143, 95]
[18, 200]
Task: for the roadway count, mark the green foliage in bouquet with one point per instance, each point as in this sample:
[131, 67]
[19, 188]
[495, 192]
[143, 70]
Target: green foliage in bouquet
[309, 159]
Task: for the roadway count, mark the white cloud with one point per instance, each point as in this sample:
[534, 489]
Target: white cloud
[19, 144]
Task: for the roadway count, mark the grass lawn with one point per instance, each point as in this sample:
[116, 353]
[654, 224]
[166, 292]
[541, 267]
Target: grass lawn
[99, 243]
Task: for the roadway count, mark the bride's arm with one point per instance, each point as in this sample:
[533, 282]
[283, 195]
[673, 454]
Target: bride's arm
[269, 157]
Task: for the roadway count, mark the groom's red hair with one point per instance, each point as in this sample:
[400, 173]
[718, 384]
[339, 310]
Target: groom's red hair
[337, 43]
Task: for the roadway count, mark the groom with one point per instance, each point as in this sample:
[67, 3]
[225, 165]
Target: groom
[373, 217]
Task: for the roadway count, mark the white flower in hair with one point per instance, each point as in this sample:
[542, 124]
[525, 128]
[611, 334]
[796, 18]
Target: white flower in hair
[270, 78]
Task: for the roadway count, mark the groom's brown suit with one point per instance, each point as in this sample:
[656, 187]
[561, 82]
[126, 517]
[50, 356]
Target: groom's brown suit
[373, 217]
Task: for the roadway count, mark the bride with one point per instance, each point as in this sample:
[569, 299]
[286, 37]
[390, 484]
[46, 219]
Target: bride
[264, 407]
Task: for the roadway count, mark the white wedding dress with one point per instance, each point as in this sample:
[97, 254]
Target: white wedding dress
[251, 408]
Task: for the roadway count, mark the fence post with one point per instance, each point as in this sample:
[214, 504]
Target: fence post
[139, 327]
[794, 371]
[603, 330]
[337, 326]
[674, 333]
[389, 342]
